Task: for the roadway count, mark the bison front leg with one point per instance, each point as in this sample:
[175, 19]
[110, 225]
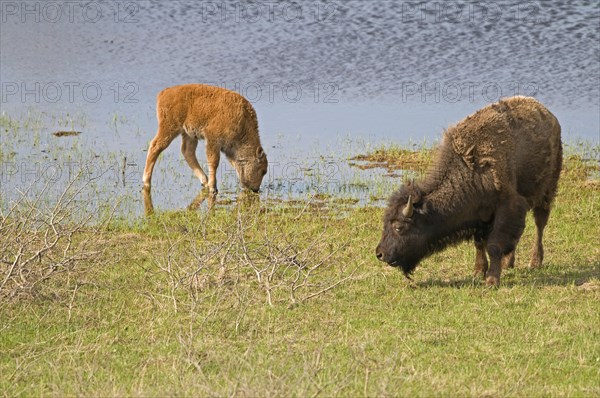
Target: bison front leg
[509, 224]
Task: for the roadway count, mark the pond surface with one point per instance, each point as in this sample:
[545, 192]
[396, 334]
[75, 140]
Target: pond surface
[328, 80]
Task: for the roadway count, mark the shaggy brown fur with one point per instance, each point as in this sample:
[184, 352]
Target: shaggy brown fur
[223, 118]
[490, 169]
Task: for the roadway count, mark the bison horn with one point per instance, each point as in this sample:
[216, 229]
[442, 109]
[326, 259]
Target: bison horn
[470, 150]
[408, 209]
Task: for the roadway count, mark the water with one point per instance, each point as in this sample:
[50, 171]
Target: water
[328, 80]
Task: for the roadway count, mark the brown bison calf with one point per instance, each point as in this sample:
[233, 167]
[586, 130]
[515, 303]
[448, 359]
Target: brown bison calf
[223, 118]
[490, 169]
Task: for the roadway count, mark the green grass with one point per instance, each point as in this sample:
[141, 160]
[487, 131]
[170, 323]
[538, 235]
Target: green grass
[174, 306]
[393, 157]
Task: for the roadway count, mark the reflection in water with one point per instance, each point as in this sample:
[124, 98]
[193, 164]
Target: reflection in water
[201, 197]
[196, 203]
[246, 199]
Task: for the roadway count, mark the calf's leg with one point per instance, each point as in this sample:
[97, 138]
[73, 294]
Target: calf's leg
[213, 155]
[163, 139]
[188, 149]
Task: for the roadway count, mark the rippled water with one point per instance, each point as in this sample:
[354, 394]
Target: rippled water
[328, 79]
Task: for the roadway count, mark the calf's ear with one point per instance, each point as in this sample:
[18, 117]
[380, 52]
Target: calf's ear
[260, 152]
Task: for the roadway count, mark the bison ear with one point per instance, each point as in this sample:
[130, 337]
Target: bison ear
[260, 153]
[424, 207]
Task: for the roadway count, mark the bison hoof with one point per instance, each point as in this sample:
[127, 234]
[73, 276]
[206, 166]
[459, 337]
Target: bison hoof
[506, 264]
[492, 281]
[535, 263]
[479, 273]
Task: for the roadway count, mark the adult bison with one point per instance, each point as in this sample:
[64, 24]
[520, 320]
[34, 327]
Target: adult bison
[490, 169]
[223, 118]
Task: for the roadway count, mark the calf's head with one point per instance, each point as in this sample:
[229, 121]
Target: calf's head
[252, 168]
[405, 230]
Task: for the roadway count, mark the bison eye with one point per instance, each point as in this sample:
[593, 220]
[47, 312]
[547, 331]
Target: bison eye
[396, 226]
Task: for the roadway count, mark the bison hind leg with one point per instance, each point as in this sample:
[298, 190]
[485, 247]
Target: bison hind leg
[508, 261]
[481, 261]
[540, 214]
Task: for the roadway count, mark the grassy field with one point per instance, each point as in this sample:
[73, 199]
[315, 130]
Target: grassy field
[257, 299]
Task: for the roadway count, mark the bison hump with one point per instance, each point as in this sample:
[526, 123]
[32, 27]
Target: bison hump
[483, 142]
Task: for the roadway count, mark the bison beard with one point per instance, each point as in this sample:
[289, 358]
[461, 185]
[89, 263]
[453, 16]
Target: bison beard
[490, 169]
[433, 239]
